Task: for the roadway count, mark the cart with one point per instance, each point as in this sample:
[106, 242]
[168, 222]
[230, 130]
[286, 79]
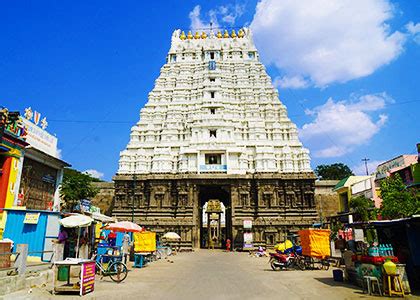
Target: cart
[316, 249]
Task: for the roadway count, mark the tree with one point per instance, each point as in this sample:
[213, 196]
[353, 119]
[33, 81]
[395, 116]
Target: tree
[76, 186]
[335, 171]
[364, 208]
[397, 201]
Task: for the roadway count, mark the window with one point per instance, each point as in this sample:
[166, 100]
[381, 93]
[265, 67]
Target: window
[212, 133]
[212, 95]
[213, 159]
[173, 58]
[211, 55]
[212, 79]
[213, 111]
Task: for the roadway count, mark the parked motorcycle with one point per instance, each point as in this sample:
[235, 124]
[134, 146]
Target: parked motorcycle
[279, 261]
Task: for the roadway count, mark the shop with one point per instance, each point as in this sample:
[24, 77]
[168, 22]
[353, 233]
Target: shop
[36, 228]
[368, 247]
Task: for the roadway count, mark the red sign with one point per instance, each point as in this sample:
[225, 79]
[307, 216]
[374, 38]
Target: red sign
[88, 278]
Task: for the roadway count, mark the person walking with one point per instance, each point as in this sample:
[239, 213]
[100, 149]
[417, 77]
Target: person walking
[126, 241]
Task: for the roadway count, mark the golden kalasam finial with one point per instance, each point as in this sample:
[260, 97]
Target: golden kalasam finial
[241, 33]
[189, 35]
[203, 35]
[226, 34]
[183, 36]
[197, 35]
[233, 34]
[219, 35]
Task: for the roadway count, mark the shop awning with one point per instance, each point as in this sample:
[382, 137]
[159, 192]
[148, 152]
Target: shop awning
[103, 218]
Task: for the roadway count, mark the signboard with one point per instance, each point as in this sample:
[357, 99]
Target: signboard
[247, 224]
[383, 169]
[248, 241]
[87, 278]
[205, 168]
[40, 139]
[31, 218]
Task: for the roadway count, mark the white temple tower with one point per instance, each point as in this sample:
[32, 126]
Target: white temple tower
[214, 125]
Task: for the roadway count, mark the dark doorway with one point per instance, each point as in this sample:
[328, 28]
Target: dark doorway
[221, 193]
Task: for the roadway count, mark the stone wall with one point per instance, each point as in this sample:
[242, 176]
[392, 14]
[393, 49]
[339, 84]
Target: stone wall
[104, 199]
[327, 201]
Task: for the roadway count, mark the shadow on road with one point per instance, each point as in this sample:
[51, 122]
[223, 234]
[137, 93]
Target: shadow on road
[331, 282]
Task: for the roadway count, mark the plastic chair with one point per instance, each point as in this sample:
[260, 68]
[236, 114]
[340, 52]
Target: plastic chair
[370, 284]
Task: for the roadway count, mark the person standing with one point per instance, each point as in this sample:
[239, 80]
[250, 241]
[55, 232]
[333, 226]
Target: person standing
[112, 238]
[126, 246]
[228, 245]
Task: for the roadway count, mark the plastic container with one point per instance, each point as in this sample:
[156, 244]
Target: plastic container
[63, 273]
[389, 267]
[338, 275]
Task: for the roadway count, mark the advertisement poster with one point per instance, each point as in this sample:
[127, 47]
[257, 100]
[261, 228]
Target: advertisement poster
[88, 278]
[31, 218]
[248, 240]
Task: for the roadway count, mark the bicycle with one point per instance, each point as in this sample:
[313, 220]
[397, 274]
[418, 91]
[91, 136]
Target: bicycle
[116, 270]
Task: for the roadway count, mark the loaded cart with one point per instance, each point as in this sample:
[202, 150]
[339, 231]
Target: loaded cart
[316, 249]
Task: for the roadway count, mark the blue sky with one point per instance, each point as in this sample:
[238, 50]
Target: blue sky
[347, 71]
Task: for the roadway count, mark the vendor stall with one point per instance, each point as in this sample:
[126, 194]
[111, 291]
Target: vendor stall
[63, 281]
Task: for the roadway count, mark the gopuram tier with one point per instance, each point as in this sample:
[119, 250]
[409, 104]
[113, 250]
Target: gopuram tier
[214, 131]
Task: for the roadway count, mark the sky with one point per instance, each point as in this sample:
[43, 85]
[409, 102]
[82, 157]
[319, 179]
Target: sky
[347, 71]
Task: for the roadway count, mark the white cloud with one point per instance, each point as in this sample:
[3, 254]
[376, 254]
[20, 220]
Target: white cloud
[326, 41]
[414, 31]
[293, 82]
[94, 173]
[360, 169]
[340, 126]
[224, 15]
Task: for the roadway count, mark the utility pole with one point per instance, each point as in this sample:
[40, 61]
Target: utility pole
[132, 199]
[366, 166]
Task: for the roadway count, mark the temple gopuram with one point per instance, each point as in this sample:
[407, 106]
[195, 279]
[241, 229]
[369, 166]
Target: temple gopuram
[214, 129]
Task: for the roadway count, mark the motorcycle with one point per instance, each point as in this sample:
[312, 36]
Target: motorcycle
[279, 261]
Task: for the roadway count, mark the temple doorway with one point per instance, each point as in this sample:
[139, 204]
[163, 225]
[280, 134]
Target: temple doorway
[215, 216]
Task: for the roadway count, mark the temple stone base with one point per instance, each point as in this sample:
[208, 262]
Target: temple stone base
[277, 204]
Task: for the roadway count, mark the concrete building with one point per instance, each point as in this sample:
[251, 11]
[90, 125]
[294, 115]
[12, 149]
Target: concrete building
[214, 129]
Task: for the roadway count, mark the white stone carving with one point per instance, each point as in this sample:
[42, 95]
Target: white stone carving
[236, 101]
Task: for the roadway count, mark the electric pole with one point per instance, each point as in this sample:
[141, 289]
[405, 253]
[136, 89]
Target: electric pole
[365, 160]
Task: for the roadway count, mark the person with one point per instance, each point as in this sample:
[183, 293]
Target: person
[65, 247]
[112, 237]
[213, 242]
[126, 246]
[228, 245]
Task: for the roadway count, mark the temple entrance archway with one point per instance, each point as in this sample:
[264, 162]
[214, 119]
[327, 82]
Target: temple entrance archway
[220, 224]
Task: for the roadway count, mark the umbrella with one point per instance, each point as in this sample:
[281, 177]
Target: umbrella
[76, 221]
[171, 236]
[124, 226]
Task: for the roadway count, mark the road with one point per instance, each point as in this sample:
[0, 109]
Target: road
[212, 274]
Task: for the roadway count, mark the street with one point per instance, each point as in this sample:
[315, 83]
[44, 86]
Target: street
[212, 274]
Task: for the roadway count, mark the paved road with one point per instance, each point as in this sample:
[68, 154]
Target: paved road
[213, 274]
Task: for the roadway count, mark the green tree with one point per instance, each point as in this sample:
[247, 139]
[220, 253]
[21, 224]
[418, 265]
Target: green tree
[76, 186]
[364, 208]
[335, 171]
[397, 201]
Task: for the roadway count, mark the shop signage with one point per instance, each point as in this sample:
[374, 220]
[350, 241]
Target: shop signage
[384, 168]
[87, 278]
[40, 138]
[248, 241]
[247, 224]
[31, 218]
[48, 178]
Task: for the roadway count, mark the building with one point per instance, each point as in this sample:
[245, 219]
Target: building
[214, 129]
[12, 147]
[326, 199]
[354, 186]
[42, 169]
